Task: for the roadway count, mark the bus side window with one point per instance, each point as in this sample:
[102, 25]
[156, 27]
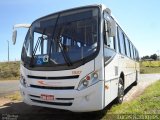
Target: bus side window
[104, 32]
[127, 47]
[134, 54]
[124, 44]
[121, 41]
[131, 50]
[111, 42]
[137, 56]
[117, 41]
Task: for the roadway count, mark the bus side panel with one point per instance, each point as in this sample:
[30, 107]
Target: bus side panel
[131, 72]
[111, 80]
[99, 66]
[127, 67]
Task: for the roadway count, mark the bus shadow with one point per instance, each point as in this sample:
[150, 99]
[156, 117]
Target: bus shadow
[26, 112]
[129, 88]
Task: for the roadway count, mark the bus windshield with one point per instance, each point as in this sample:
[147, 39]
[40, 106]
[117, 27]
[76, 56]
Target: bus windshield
[62, 39]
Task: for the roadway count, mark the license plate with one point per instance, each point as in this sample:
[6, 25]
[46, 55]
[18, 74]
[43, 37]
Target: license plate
[47, 97]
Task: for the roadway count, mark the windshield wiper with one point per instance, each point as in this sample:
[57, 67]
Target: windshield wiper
[35, 49]
[65, 56]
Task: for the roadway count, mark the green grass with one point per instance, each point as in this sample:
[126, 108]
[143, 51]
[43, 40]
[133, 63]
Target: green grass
[147, 103]
[147, 67]
[15, 96]
[150, 63]
[9, 70]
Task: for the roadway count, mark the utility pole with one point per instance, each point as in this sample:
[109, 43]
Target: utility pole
[8, 49]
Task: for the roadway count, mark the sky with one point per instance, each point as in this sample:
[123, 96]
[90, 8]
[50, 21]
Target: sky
[138, 18]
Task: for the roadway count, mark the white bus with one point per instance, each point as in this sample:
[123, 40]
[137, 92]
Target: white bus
[78, 59]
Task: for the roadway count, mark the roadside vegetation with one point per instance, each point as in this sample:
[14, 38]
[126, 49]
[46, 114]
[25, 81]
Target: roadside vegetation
[14, 97]
[147, 103]
[9, 70]
[147, 67]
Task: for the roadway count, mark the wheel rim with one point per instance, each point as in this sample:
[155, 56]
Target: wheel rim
[120, 92]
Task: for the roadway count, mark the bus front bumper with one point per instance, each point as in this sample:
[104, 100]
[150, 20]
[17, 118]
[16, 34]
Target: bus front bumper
[89, 99]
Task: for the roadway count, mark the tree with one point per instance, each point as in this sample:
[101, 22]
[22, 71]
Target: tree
[145, 57]
[154, 56]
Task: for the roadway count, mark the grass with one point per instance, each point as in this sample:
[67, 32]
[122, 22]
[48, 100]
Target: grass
[147, 103]
[9, 70]
[15, 96]
[147, 67]
[150, 63]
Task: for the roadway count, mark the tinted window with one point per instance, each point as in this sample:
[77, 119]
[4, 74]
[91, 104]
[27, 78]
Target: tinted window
[134, 53]
[127, 47]
[112, 42]
[131, 48]
[137, 55]
[121, 41]
[117, 42]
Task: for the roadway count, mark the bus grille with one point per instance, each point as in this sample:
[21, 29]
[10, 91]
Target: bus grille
[53, 88]
[54, 78]
[52, 103]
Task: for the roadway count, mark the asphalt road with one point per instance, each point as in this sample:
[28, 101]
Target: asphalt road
[144, 81]
[8, 87]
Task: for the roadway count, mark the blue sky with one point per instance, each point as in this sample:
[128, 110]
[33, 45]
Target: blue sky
[138, 18]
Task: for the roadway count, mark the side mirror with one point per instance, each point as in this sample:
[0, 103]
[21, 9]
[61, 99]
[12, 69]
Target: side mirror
[112, 28]
[14, 37]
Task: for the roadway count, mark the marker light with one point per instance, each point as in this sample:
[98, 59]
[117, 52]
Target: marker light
[88, 77]
[85, 83]
[23, 80]
[95, 75]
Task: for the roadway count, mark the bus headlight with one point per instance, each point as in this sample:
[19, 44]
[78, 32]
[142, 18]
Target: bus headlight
[88, 80]
[23, 81]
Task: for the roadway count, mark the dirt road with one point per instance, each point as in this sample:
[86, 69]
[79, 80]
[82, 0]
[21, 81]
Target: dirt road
[23, 111]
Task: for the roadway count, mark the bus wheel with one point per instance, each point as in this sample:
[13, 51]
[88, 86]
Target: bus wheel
[136, 81]
[120, 91]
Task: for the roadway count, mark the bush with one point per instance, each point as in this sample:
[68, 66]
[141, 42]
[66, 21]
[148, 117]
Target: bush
[9, 70]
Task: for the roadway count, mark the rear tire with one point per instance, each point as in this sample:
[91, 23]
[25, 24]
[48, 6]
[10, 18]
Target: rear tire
[136, 82]
[120, 96]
